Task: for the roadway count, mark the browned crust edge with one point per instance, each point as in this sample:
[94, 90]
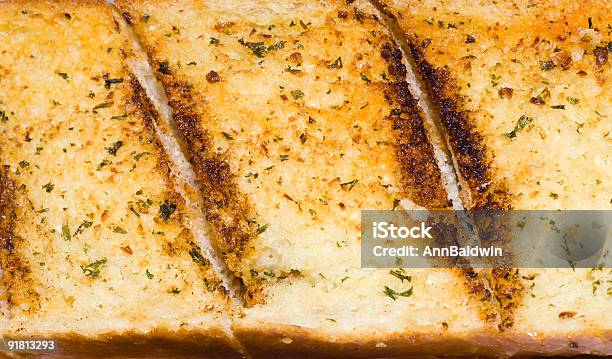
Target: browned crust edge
[421, 175]
[265, 340]
[160, 343]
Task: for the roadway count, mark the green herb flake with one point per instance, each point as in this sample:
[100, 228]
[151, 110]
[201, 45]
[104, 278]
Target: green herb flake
[48, 187]
[547, 65]
[495, 79]
[109, 82]
[3, 116]
[396, 203]
[102, 164]
[114, 148]
[138, 156]
[284, 157]
[365, 78]
[93, 269]
[149, 274]
[214, 41]
[400, 274]
[336, 64]
[63, 75]
[197, 257]
[103, 105]
[119, 118]
[261, 229]
[349, 185]
[520, 125]
[82, 227]
[66, 232]
[119, 230]
[572, 100]
[259, 49]
[394, 294]
[297, 94]
[166, 210]
[174, 290]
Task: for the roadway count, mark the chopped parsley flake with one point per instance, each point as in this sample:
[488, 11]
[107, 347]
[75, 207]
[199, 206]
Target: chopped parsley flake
[66, 232]
[394, 294]
[93, 269]
[119, 230]
[109, 82]
[336, 64]
[103, 105]
[197, 257]
[520, 125]
[349, 185]
[166, 210]
[261, 229]
[297, 94]
[400, 274]
[49, 187]
[116, 146]
[82, 227]
[547, 65]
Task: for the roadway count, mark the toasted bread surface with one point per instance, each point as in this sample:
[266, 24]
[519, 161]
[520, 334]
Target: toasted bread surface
[95, 249]
[296, 117]
[522, 92]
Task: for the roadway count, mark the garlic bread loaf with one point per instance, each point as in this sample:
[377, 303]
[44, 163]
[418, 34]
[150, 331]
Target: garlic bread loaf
[296, 116]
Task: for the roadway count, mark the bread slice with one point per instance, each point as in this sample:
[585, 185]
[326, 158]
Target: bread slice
[522, 93]
[96, 250]
[296, 116]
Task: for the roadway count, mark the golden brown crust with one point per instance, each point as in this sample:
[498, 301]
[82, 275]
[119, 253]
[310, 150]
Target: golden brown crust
[296, 342]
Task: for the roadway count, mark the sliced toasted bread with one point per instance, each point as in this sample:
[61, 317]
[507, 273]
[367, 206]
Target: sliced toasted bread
[296, 116]
[95, 248]
[522, 91]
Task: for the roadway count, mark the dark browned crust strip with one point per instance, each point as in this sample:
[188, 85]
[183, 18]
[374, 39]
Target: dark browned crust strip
[467, 145]
[17, 275]
[421, 175]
